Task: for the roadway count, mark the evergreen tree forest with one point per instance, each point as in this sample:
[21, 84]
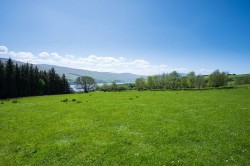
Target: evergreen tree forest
[27, 80]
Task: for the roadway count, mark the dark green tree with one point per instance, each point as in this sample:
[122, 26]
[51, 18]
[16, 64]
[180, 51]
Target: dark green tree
[52, 89]
[191, 79]
[174, 80]
[140, 83]
[150, 82]
[65, 85]
[2, 80]
[10, 79]
[217, 79]
[113, 86]
[200, 81]
[86, 83]
[17, 81]
[36, 81]
[184, 82]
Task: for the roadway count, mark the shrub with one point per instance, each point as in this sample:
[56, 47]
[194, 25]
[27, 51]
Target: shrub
[14, 101]
[65, 100]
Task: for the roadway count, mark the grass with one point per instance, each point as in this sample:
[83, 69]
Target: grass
[239, 75]
[209, 127]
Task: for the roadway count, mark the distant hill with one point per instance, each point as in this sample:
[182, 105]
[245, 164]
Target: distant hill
[100, 77]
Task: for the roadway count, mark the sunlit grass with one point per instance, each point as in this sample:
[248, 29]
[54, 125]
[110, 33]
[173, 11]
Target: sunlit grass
[209, 127]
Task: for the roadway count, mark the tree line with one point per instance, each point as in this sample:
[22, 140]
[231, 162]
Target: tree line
[27, 80]
[89, 84]
[175, 80]
[114, 87]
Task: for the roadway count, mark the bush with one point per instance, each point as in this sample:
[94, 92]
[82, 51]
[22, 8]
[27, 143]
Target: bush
[14, 101]
[73, 99]
[65, 100]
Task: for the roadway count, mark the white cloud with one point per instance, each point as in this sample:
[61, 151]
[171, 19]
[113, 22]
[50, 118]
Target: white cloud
[43, 54]
[21, 55]
[206, 70]
[56, 56]
[95, 63]
[3, 50]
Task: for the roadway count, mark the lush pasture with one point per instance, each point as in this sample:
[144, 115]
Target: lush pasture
[210, 127]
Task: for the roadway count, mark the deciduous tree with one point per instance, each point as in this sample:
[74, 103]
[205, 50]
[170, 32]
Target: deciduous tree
[140, 83]
[217, 79]
[86, 82]
[191, 79]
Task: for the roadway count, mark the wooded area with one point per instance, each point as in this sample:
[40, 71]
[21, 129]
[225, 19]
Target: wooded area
[27, 80]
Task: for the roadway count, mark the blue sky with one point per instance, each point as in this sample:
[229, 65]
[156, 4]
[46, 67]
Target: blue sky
[138, 36]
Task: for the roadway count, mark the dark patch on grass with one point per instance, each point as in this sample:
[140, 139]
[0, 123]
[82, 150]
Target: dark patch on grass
[73, 99]
[17, 149]
[78, 102]
[64, 100]
[2, 102]
[14, 101]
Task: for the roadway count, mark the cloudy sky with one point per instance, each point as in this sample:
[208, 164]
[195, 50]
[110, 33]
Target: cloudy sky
[142, 36]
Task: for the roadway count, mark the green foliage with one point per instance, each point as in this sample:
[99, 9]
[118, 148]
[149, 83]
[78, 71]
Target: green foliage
[26, 80]
[200, 81]
[140, 83]
[14, 101]
[150, 82]
[191, 78]
[65, 100]
[115, 87]
[242, 80]
[217, 79]
[156, 128]
[184, 82]
[175, 81]
[86, 82]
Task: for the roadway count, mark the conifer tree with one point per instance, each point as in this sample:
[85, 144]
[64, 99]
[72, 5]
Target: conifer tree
[2, 80]
[10, 78]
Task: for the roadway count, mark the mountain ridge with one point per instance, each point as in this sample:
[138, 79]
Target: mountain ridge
[72, 73]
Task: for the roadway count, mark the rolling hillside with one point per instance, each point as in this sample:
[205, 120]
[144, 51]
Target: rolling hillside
[100, 77]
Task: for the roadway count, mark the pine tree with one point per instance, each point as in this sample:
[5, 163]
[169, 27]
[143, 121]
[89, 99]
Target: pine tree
[52, 81]
[25, 80]
[31, 81]
[65, 85]
[10, 79]
[36, 81]
[2, 81]
[18, 80]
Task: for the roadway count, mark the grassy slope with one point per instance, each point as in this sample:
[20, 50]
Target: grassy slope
[128, 128]
[239, 75]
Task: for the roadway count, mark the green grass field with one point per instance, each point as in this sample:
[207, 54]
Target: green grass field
[209, 127]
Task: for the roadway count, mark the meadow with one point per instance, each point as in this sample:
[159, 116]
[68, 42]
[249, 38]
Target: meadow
[207, 127]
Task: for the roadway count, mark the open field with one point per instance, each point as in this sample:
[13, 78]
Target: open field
[239, 75]
[209, 127]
